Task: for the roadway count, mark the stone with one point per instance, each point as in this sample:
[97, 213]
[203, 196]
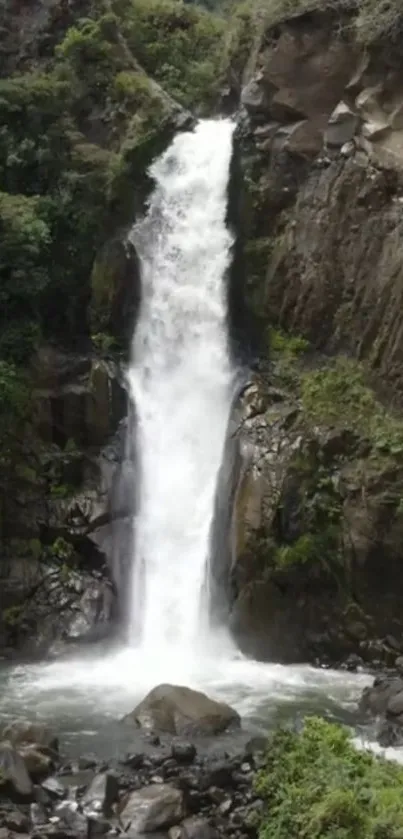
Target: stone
[17, 821]
[69, 813]
[225, 807]
[152, 808]
[86, 762]
[183, 752]
[375, 129]
[37, 814]
[179, 710]
[135, 761]
[219, 774]
[53, 787]
[375, 700]
[399, 664]
[23, 731]
[196, 828]
[390, 734]
[342, 126]
[395, 705]
[13, 769]
[101, 794]
[357, 630]
[253, 96]
[37, 763]
[304, 139]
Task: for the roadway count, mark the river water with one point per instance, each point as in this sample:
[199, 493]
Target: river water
[85, 697]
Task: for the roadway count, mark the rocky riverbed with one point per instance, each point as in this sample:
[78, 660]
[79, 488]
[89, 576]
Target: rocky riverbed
[172, 788]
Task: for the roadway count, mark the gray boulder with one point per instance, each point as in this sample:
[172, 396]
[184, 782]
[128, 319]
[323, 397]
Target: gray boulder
[13, 770]
[153, 808]
[180, 710]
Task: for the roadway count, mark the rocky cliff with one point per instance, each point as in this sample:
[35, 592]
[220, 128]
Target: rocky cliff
[319, 562]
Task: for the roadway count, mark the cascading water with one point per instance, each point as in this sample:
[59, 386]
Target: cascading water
[181, 382]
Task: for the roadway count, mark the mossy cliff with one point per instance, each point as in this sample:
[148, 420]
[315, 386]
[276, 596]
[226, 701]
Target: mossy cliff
[319, 568]
[90, 93]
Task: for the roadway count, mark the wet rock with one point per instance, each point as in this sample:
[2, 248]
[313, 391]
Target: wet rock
[54, 787]
[135, 761]
[183, 752]
[353, 663]
[86, 762]
[384, 701]
[180, 710]
[152, 808]
[217, 795]
[37, 814]
[68, 812]
[101, 794]
[253, 96]
[220, 774]
[395, 705]
[23, 731]
[342, 126]
[390, 734]
[17, 821]
[375, 700]
[196, 828]
[13, 770]
[37, 763]
[225, 807]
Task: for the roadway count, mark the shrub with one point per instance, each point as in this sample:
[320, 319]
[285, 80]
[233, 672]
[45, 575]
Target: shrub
[339, 396]
[316, 785]
[179, 45]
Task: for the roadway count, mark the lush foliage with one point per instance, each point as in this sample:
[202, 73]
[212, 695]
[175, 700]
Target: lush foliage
[338, 395]
[179, 45]
[316, 785]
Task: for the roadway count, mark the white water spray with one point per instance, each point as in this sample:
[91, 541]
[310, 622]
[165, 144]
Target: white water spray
[181, 383]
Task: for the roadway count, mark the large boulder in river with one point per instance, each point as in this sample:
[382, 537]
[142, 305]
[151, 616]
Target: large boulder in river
[179, 710]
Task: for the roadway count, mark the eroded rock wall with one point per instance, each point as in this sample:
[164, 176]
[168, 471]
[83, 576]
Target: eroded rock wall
[318, 561]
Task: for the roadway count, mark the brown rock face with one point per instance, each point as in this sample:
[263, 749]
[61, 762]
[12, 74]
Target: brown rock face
[317, 518]
[337, 278]
[323, 145]
[180, 710]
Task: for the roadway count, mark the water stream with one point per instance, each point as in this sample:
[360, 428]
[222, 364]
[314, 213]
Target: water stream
[181, 381]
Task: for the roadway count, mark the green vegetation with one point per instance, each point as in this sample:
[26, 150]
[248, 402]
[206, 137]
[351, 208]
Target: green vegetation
[287, 351]
[81, 118]
[179, 45]
[317, 785]
[77, 135]
[338, 395]
[286, 345]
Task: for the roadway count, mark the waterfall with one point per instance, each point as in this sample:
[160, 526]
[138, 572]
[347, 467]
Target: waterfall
[181, 382]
